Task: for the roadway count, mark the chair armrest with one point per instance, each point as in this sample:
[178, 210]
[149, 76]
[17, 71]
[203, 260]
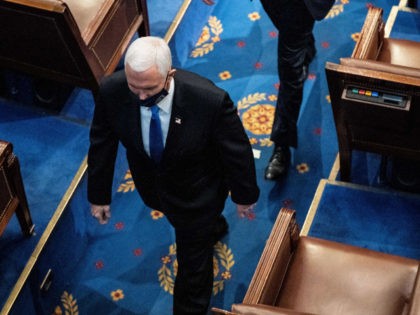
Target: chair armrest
[272, 266]
[415, 297]
[259, 309]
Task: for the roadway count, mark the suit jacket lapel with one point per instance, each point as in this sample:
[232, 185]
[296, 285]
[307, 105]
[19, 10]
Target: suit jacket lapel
[176, 124]
[133, 121]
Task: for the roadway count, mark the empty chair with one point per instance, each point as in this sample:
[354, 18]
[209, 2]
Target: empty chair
[302, 275]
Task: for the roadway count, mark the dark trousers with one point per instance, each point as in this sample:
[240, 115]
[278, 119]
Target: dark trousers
[296, 48]
[194, 279]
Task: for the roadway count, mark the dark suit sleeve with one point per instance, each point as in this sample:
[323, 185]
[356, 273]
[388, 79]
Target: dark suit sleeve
[102, 154]
[236, 154]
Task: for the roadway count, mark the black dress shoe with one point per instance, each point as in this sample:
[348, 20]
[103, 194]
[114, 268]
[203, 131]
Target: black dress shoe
[279, 163]
[221, 229]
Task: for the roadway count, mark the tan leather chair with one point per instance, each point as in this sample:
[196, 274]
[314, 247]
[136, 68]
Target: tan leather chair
[69, 41]
[375, 96]
[12, 193]
[299, 275]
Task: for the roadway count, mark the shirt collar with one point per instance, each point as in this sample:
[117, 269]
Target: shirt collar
[166, 104]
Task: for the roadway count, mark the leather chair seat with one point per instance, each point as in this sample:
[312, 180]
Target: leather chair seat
[328, 278]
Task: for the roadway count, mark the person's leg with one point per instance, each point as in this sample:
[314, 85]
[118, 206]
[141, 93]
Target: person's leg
[296, 50]
[194, 279]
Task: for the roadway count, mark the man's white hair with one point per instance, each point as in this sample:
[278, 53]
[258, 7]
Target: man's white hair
[145, 52]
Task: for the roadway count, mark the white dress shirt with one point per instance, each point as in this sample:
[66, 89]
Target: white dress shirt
[165, 109]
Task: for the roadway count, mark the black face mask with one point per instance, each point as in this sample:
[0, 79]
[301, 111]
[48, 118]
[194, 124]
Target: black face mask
[153, 100]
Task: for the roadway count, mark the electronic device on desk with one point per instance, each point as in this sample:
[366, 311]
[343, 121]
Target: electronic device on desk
[377, 97]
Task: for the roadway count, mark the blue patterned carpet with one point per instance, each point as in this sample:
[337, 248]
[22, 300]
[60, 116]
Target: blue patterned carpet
[237, 50]
[129, 265]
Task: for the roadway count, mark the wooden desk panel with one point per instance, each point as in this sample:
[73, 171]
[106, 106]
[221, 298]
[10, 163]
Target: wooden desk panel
[42, 38]
[12, 193]
[363, 125]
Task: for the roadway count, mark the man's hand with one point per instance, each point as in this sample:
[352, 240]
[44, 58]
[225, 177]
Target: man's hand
[209, 2]
[102, 213]
[245, 210]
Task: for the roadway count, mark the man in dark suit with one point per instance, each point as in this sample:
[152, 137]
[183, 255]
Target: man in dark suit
[294, 20]
[206, 155]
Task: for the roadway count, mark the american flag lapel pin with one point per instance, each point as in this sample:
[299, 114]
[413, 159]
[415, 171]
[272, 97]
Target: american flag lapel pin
[178, 120]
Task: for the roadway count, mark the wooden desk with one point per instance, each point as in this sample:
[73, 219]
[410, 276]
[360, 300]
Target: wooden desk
[72, 42]
[375, 96]
[389, 130]
[12, 193]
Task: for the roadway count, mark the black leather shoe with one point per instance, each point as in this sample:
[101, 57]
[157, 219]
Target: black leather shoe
[221, 229]
[279, 163]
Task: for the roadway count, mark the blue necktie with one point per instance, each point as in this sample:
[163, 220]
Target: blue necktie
[155, 135]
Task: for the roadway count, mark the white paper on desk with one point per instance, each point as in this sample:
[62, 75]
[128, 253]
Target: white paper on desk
[257, 153]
